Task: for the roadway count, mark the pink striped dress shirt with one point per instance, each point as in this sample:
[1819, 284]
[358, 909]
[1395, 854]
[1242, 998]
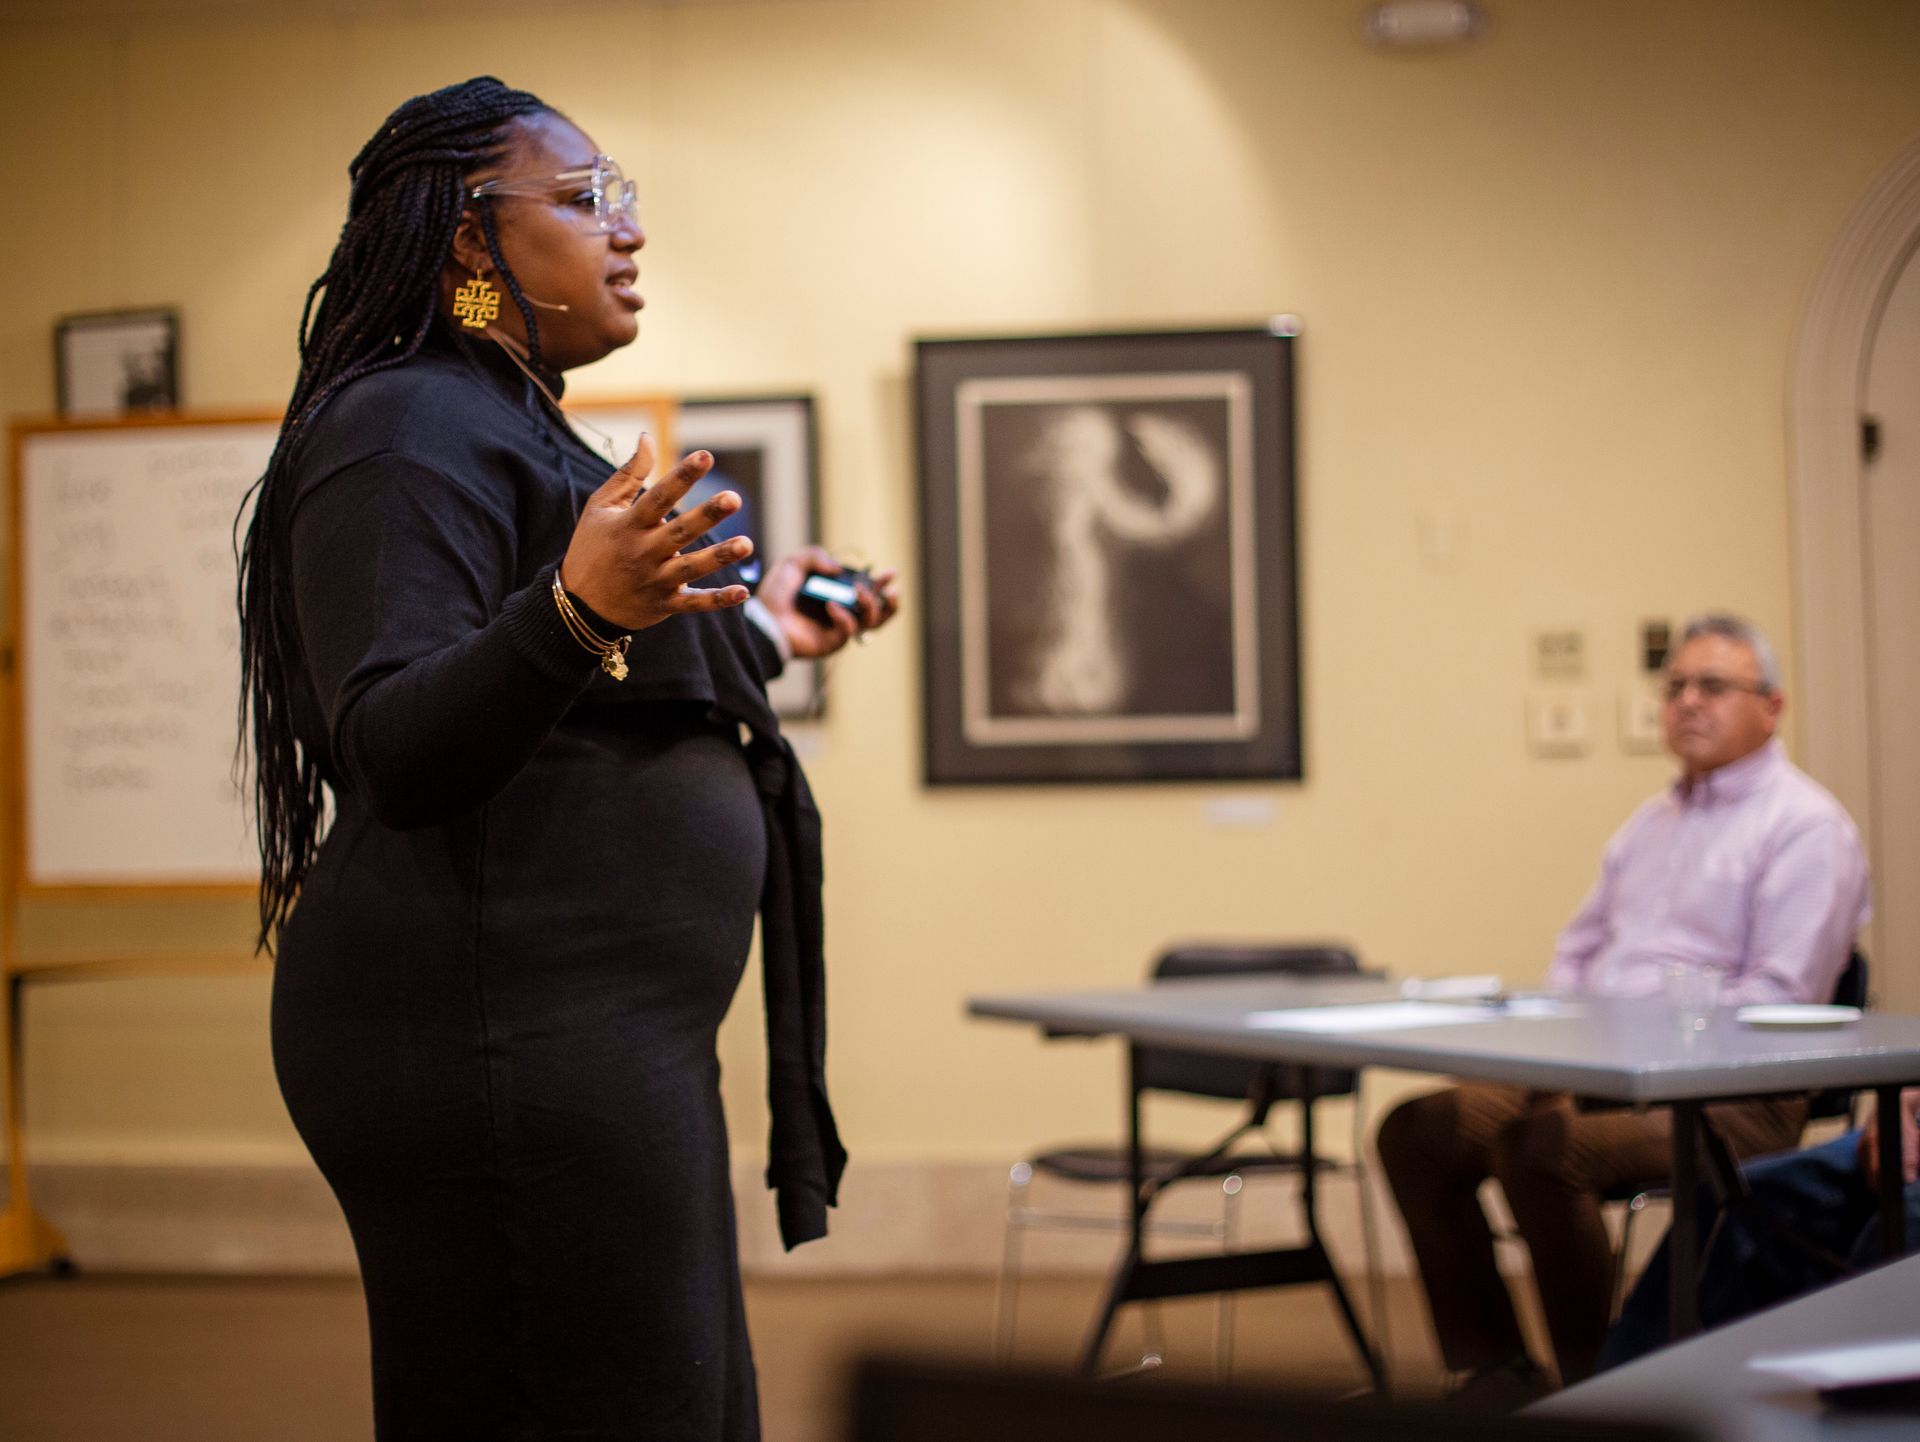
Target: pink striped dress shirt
[1755, 869]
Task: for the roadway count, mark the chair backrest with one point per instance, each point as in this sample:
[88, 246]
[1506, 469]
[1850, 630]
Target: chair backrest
[1204, 1074]
[1850, 990]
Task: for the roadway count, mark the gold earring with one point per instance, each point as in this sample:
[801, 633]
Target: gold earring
[477, 303]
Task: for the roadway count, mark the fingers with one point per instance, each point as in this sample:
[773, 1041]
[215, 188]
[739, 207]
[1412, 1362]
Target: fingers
[623, 485]
[720, 598]
[682, 531]
[845, 627]
[666, 493]
[817, 558]
[878, 604]
[707, 560]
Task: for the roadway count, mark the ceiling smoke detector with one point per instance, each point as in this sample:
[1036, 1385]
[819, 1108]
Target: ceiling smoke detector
[1421, 24]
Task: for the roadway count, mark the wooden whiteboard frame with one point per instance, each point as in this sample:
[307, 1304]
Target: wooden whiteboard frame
[17, 880]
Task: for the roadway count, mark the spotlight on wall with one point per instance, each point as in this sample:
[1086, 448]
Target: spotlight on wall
[1420, 24]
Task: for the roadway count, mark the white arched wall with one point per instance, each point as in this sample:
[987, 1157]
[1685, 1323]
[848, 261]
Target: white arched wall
[1825, 405]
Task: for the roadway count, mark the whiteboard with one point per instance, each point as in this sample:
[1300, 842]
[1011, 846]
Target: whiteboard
[127, 653]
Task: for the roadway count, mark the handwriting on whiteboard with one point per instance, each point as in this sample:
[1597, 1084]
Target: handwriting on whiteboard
[129, 652]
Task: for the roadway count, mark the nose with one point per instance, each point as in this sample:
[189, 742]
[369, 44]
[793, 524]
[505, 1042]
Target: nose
[627, 236]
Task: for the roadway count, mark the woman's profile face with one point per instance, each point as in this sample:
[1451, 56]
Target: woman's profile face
[548, 236]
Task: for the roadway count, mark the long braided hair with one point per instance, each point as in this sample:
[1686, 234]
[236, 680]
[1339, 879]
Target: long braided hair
[376, 301]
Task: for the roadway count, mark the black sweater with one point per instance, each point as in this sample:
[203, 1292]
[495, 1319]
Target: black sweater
[430, 506]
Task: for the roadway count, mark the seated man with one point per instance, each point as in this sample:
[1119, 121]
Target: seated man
[1828, 1196]
[1744, 864]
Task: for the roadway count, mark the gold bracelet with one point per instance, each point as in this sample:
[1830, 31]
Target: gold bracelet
[612, 654]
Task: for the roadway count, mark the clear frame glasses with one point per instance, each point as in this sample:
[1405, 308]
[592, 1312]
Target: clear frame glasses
[606, 199]
[1710, 687]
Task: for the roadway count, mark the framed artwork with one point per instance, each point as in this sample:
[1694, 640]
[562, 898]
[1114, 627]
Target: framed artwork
[116, 363]
[764, 448]
[1109, 558]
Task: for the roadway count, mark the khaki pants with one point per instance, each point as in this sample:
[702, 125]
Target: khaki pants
[1554, 1163]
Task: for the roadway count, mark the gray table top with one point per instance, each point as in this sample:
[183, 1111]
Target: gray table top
[1617, 1050]
[1705, 1382]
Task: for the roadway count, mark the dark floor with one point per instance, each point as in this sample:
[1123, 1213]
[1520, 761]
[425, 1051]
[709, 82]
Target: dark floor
[115, 1359]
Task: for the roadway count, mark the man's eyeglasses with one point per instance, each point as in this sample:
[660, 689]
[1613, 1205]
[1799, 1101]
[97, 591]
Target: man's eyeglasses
[1711, 687]
[605, 199]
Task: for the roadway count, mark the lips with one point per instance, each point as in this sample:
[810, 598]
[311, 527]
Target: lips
[621, 283]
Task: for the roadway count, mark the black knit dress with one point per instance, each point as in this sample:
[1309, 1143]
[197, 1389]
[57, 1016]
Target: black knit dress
[496, 1000]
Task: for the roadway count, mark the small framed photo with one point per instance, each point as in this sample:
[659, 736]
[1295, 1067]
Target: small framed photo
[763, 448]
[1109, 557]
[116, 363]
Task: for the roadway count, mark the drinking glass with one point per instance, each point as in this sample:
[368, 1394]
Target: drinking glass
[1691, 990]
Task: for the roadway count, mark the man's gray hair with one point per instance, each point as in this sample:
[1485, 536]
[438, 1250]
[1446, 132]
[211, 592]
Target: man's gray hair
[1736, 628]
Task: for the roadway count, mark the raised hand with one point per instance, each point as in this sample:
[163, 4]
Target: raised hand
[624, 560]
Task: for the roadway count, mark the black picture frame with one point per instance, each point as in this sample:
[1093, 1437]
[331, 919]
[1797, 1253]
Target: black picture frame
[766, 447]
[117, 363]
[1109, 559]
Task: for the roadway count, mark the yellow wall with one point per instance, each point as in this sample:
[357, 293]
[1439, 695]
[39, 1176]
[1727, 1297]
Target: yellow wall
[1548, 286]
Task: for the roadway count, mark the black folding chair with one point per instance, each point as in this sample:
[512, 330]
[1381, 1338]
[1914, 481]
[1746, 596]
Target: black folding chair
[1228, 1162]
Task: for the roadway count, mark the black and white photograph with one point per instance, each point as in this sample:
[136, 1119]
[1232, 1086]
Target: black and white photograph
[1109, 557]
[116, 363]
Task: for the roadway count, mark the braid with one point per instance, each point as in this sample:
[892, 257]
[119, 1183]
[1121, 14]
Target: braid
[370, 309]
[512, 280]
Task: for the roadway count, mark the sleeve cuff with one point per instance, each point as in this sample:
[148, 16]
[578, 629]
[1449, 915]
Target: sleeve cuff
[533, 623]
[761, 617]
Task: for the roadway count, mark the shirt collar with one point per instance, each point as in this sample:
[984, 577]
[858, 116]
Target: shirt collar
[491, 358]
[1734, 781]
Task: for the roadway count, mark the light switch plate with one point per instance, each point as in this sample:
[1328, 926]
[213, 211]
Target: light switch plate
[1560, 652]
[1558, 723]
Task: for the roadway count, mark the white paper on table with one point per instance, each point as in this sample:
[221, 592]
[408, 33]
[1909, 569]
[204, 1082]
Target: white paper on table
[1858, 1365]
[1451, 988]
[1537, 1006]
[1369, 1016]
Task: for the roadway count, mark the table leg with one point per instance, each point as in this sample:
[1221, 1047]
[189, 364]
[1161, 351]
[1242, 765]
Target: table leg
[1683, 1292]
[1121, 1288]
[1139, 1280]
[1309, 1165]
[1893, 1201]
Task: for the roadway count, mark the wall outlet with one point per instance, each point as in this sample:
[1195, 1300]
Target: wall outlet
[1557, 722]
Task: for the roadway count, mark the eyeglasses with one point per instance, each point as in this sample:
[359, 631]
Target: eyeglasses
[1711, 687]
[605, 200]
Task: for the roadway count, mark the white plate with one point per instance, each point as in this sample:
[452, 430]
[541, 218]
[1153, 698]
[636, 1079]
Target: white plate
[1791, 1014]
